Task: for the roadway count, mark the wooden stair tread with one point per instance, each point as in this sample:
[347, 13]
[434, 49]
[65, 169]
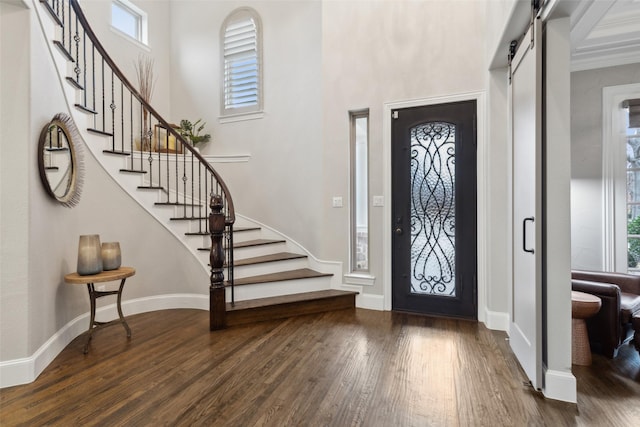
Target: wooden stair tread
[178, 204]
[85, 109]
[286, 299]
[280, 256]
[241, 229]
[63, 49]
[99, 132]
[256, 242]
[302, 273]
[52, 12]
[189, 218]
[74, 83]
[247, 244]
[235, 230]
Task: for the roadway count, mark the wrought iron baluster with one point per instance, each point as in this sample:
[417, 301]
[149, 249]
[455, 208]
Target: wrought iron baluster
[199, 196]
[131, 130]
[68, 27]
[206, 192]
[93, 72]
[76, 38]
[112, 106]
[142, 131]
[177, 187]
[230, 277]
[103, 111]
[121, 116]
[149, 143]
[63, 27]
[192, 186]
[168, 161]
[167, 165]
[84, 67]
[157, 139]
[184, 183]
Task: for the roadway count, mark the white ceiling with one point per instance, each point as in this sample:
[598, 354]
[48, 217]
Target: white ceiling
[605, 33]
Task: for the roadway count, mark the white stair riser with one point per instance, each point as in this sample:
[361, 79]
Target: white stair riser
[287, 287]
[260, 250]
[269, 267]
[243, 236]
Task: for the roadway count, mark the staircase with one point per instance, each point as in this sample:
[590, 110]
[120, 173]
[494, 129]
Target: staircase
[267, 275]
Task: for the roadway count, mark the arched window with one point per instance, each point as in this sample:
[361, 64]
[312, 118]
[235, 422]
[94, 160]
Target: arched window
[241, 63]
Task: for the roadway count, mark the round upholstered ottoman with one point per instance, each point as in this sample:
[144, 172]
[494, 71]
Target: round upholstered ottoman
[583, 306]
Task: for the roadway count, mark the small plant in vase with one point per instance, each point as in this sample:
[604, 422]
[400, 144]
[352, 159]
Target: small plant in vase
[191, 132]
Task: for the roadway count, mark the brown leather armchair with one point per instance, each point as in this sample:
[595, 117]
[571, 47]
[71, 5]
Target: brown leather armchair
[620, 295]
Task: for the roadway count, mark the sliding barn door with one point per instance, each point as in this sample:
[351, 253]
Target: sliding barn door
[526, 131]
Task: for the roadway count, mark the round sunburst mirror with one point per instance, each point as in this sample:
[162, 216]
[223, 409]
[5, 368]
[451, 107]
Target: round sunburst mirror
[58, 160]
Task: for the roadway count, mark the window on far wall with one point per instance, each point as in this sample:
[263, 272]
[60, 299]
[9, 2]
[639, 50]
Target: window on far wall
[631, 108]
[241, 63]
[129, 19]
[359, 190]
[621, 178]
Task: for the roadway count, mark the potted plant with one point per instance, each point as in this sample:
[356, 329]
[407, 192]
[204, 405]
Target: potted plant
[191, 132]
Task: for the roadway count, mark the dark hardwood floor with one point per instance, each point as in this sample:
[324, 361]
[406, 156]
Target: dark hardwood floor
[343, 368]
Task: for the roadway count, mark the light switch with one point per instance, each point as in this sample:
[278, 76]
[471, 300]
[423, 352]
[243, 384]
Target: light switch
[337, 202]
[378, 200]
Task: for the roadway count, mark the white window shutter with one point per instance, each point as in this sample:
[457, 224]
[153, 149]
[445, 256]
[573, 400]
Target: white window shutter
[241, 61]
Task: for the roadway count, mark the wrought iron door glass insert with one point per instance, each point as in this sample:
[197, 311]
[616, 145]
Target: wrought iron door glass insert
[433, 209]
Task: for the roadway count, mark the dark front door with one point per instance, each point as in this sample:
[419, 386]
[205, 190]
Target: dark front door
[434, 209]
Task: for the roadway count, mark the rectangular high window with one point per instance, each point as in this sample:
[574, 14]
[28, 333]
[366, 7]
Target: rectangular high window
[359, 190]
[129, 19]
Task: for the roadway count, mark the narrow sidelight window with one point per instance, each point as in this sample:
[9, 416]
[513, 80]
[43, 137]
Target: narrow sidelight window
[359, 190]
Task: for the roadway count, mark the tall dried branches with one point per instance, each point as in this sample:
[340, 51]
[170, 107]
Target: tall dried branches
[144, 72]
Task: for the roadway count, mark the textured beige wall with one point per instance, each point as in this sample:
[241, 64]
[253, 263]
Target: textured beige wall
[281, 186]
[14, 179]
[379, 52]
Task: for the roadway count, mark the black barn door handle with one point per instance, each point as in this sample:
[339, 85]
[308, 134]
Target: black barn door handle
[524, 234]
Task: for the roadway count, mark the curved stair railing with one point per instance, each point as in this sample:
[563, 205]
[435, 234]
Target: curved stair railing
[153, 147]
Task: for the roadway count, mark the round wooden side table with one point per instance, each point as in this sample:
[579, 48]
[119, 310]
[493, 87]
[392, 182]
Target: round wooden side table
[106, 276]
[583, 306]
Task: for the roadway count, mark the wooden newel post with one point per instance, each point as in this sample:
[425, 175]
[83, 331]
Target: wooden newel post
[217, 303]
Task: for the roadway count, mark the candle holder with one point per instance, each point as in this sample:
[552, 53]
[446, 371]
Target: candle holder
[111, 256]
[89, 255]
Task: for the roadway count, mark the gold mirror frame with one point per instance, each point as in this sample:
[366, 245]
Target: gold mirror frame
[59, 160]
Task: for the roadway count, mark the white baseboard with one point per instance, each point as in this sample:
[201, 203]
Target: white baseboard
[26, 370]
[560, 385]
[496, 320]
[371, 302]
